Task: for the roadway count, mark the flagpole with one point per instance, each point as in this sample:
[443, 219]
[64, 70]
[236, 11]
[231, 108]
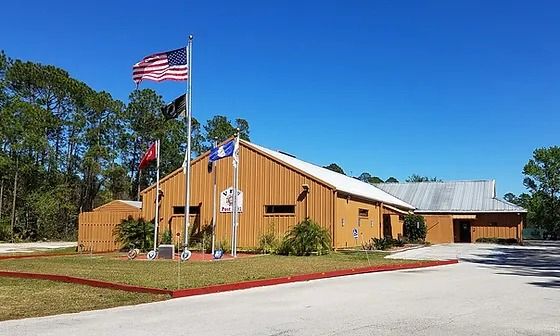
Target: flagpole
[214, 202]
[156, 221]
[233, 207]
[188, 154]
[139, 178]
[235, 193]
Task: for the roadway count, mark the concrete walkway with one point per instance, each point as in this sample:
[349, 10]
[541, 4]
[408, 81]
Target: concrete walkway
[33, 247]
[447, 251]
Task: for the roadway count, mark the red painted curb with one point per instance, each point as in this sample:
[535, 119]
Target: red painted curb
[304, 277]
[225, 287]
[83, 281]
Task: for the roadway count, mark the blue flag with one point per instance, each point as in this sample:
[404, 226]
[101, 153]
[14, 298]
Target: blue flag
[222, 151]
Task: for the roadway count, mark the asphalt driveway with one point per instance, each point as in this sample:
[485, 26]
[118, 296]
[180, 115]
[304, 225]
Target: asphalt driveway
[494, 290]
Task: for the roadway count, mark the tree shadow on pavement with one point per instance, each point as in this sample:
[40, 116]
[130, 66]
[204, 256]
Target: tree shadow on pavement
[535, 259]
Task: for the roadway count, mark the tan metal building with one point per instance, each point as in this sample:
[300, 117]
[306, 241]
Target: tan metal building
[461, 211]
[95, 228]
[279, 190]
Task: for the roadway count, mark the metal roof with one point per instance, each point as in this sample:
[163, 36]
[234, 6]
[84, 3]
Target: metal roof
[341, 182]
[135, 204]
[453, 196]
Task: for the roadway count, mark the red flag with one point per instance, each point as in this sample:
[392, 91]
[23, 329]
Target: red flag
[148, 157]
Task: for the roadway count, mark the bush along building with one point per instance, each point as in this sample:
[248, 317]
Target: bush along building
[461, 211]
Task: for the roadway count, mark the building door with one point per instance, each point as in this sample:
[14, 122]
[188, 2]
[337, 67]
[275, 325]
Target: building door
[387, 229]
[464, 231]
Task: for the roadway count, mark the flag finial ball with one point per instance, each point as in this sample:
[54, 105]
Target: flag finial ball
[190, 37]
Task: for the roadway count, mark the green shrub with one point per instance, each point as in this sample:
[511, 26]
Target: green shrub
[134, 233]
[398, 242]
[166, 237]
[225, 245]
[201, 239]
[268, 241]
[382, 243]
[305, 238]
[415, 228]
[501, 241]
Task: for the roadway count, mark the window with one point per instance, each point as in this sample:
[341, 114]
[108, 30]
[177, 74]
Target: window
[363, 212]
[180, 210]
[280, 209]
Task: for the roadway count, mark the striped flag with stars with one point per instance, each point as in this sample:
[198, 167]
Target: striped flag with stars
[169, 65]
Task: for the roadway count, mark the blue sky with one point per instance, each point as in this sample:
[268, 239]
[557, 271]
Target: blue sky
[453, 89]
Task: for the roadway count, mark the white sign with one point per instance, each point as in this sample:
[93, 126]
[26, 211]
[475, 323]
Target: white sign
[226, 200]
[355, 233]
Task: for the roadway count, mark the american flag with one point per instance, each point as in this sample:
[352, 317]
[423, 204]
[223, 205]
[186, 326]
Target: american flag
[169, 65]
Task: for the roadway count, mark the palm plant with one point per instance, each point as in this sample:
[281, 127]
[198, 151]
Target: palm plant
[134, 233]
[305, 238]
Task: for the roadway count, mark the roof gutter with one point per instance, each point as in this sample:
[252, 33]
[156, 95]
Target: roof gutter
[468, 211]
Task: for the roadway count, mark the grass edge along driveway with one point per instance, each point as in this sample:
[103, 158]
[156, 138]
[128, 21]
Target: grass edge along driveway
[168, 274]
[23, 298]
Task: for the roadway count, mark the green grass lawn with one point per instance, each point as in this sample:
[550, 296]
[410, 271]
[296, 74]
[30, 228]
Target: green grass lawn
[21, 298]
[172, 275]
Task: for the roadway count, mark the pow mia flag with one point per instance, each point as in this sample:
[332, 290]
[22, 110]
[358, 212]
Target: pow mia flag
[175, 108]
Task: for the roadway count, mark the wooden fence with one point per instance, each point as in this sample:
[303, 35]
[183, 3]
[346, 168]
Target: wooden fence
[95, 229]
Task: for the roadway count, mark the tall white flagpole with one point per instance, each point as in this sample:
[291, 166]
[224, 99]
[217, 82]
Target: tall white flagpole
[235, 193]
[233, 208]
[214, 203]
[156, 221]
[188, 154]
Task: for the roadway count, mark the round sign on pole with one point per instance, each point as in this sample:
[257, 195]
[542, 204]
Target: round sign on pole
[218, 254]
[152, 255]
[133, 253]
[355, 233]
[186, 255]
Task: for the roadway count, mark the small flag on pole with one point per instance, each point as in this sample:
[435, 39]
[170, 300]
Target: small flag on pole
[185, 160]
[222, 151]
[169, 65]
[175, 108]
[150, 156]
[235, 154]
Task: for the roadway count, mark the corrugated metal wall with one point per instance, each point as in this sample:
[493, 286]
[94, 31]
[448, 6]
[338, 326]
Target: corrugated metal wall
[348, 218]
[263, 182]
[497, 225]
[396, 226]
[440, 228]
[95, 229]
[443, 229]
